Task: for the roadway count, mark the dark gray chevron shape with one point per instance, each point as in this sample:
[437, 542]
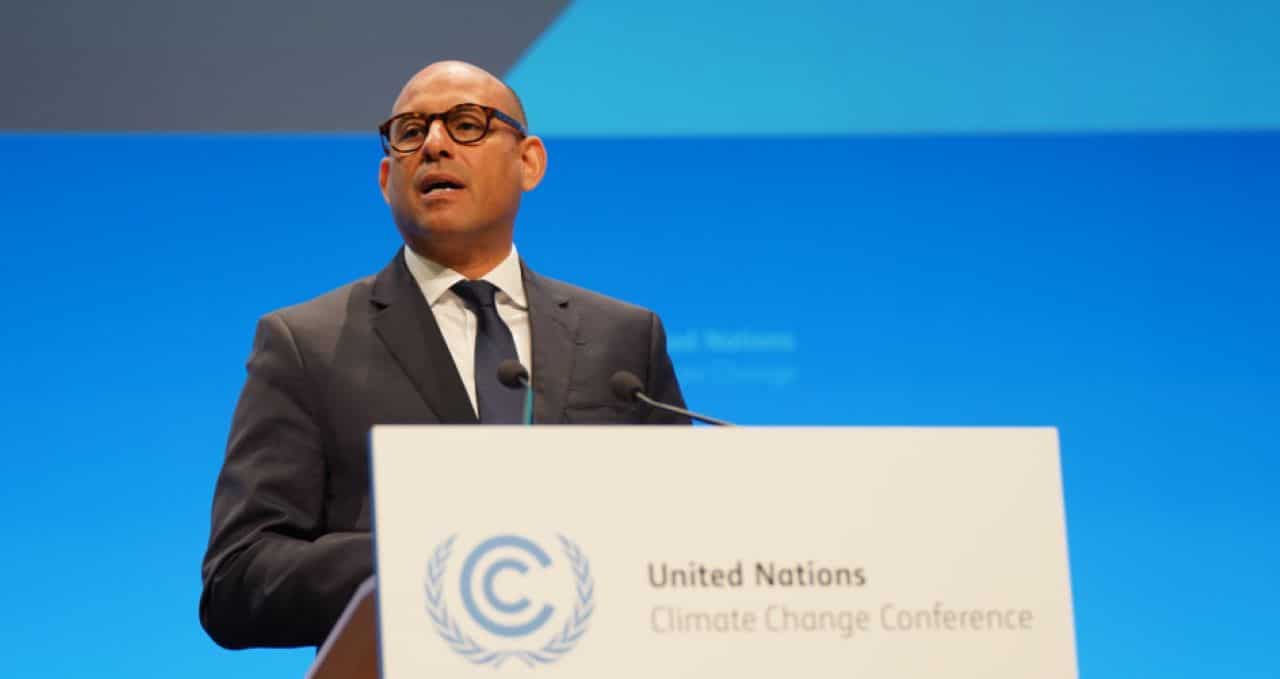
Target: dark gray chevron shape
[240, 64]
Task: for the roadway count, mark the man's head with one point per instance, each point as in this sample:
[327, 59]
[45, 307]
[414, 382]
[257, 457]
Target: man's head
[457, 202]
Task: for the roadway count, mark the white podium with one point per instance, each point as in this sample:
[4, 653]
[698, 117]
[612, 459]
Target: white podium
[713, 552]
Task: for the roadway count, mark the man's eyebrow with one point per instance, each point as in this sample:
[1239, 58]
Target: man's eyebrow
[472, 102]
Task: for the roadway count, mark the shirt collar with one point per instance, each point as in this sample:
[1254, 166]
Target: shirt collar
[435, 279]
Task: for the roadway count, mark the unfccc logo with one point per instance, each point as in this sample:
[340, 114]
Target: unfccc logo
[509, 624]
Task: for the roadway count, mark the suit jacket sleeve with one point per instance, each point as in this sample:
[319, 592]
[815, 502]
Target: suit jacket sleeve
[273, 576]
[661, 379]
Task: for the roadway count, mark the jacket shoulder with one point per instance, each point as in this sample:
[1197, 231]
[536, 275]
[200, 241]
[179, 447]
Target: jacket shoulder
[590, 300]
[316, 325]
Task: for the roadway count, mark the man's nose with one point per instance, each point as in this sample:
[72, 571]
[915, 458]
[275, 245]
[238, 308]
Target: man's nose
[438, 143]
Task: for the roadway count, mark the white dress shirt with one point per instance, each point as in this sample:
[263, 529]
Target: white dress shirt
[458, 323]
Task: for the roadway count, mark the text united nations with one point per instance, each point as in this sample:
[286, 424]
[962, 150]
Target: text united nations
[761, 574]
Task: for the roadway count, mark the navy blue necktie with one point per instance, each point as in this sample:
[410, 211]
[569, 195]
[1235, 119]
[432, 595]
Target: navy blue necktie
[497, 404]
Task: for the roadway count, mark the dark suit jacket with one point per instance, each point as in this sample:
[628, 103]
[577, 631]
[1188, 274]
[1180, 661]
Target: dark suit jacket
[291, 517]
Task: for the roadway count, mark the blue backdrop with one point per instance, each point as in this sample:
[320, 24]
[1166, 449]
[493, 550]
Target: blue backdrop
[1122, 288]
[1072, 261]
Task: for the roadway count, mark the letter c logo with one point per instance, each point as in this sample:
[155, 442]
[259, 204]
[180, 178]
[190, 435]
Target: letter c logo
[491, 597]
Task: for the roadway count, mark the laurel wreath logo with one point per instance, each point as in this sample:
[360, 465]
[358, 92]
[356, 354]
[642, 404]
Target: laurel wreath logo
[464, 645]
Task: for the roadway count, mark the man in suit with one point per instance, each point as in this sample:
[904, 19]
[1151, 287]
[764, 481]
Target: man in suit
[416, 343]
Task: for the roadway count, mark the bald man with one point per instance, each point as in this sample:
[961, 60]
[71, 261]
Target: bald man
[290, 535]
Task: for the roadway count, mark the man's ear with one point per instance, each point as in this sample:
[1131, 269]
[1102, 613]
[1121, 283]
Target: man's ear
[533, 162]
[384, 171]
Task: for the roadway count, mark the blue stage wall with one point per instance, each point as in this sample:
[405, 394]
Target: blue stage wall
[1120, 287]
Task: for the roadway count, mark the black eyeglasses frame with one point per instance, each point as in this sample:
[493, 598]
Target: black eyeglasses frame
[384, 130]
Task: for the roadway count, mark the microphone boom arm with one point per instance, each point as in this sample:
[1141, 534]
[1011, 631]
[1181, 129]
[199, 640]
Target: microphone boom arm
[641, 396]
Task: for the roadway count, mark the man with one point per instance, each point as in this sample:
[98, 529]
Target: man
[417, 343]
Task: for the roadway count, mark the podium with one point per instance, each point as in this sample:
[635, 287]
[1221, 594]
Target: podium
[351, 649]
[698, 552]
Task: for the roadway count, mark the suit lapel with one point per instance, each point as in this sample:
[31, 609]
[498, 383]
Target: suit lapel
[553, 325]
[403, 320]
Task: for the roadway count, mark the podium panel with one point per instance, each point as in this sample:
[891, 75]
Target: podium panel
[583, 552]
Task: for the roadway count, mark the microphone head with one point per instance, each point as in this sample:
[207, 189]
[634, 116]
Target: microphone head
[512, 375]
[626, 385]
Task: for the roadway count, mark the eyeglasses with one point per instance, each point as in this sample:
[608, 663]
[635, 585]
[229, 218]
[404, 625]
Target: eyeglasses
[465, 123]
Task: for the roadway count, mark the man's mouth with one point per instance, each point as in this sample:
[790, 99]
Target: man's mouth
[435, 183]
[435, 186]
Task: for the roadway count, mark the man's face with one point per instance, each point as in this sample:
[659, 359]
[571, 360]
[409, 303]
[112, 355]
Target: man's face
[488, 176]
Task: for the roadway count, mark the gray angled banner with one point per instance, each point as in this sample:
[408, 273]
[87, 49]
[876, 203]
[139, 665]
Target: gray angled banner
[240, 65]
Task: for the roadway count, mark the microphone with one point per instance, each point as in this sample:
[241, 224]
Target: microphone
[627, 387]
[512, 375]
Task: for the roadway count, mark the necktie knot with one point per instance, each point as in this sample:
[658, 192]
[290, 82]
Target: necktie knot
[476, 294]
